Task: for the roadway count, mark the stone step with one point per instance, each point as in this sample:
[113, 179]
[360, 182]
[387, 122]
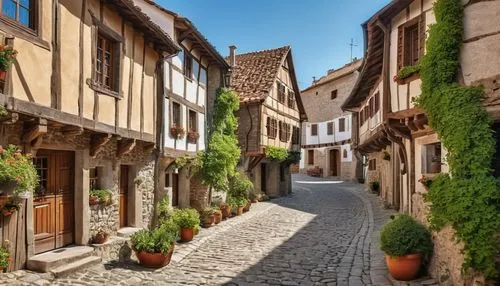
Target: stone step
[50, 260]
[77, 265]
[127, 231]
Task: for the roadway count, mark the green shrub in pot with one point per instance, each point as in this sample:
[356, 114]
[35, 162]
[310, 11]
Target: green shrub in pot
[186, 218]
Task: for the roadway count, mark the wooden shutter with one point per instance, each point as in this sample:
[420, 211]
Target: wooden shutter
[422, 34]
[401, 32]
[341, 124]
[268, 126]
[314, 130]
[330, 128]
[377, 102]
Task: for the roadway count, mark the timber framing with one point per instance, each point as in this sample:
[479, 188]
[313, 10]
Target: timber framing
[331, 144]
[33, 132]
[124, 147]
[97, 143]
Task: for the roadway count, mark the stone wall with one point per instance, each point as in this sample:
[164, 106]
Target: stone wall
[198, 195]
[145, 186]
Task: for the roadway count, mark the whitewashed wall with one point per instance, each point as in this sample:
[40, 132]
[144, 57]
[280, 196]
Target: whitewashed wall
[323, 136]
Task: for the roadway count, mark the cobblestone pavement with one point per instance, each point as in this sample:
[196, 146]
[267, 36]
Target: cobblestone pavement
[324, 234]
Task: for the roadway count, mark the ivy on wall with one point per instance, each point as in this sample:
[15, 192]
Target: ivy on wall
[282, 155]
[468, 197]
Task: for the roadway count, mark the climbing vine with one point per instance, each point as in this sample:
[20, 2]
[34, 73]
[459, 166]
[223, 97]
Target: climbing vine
[468, 197]
[282, 155]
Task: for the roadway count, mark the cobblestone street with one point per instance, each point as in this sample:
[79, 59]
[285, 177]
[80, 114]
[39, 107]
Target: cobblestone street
[324, 234]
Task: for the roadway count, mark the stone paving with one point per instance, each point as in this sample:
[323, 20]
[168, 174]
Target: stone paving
[324, 234]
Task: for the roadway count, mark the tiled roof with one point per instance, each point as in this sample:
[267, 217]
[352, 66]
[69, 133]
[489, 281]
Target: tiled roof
[254, 73]
[335, 74]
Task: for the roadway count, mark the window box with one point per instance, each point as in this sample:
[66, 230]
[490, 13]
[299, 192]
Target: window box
[177, 132]
[193, 136]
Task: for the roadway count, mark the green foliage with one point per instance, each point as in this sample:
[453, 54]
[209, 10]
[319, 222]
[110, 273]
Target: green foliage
[7, 56]
[293, 157]
[3, 111]
[17, 168]
[186, 218]
[403, 235]
[236, 202]
[158, 240]
[276, 153]
[101, 196]
[163, 209]
[375, 186]
[222, 155]
[4, 257]
[408, 71]
[468, 197]
[240, 185]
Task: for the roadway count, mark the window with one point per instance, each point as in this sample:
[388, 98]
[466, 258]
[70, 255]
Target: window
[345, 153]
[341, 124]
[329, 128]
[333, 95]
[367, 112]
[431, 158]
[281, 92]
[93, 178]
[361, 117]
[310, 157]
[291, 99]
[371, 107]
[295, 135]
[105, 62]
[272, 127]
[372, 165]
[42, 169]
[411, 41]
[21, 11]
[314, 130]
[193, 125]
[203, 76]
[284, 132]
[412, 53]
[377, 102]
[188, 65]
[176, 114]
[288, 132]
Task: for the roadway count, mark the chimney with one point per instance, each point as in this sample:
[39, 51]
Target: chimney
[232, 55]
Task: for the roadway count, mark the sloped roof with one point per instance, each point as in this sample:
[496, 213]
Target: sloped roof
[254, 73]
[335, 74]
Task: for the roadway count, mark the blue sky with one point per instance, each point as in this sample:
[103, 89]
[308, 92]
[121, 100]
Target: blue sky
[319, 31]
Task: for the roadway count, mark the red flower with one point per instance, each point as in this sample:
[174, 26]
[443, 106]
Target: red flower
[1, 149]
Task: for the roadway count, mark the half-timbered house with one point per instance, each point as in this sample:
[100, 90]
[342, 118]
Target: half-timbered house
[392, 132]
[270, 114]
[81, 97]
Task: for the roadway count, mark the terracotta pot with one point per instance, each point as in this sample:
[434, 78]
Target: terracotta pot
[154, 260]
[226, 211]
[404, 268]
[254, 201]
[239, 211]
[217, 217]
[100, 238]
[3, 74]
[208, 221]
[247, 207]
[187, 234]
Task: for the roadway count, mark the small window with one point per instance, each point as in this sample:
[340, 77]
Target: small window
[411, 45]
[345, 153]
[341, 124]
[193, 124]
[310, 157]
[314, 130]
[284, 131]
[329, 128]
[431, 158]
[203, 76]
[333, 95]
[377, 102]
[21, 11]
[361, 117]
[188, 65]
[291, 99]
[94, 178]
[106, 62]
[167, 180]
[272, 127]
[371, 107]
[42, 170]
[295, 135]
[176, 114]
[281, 92]
[372, 165]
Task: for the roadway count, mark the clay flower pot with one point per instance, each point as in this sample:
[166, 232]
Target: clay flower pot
[239, 211]
[187, 234]
[226, 211]
[217, 217]
[100, 238]
[404, 268]
[254, 201]
[208, 221]
[3, 74]
[247, 207]
[154, 260]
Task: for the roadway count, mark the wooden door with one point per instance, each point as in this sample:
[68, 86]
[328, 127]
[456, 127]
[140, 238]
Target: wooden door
[263, 179]
[123, 195]
[53, 203]
[175, 189]
[334, 163]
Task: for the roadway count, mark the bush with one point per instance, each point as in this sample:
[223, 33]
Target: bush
[186, 218]
[163, 209]
[4, 257]
[158, 240]
[240, 186]
[403, 235]
[17, 168]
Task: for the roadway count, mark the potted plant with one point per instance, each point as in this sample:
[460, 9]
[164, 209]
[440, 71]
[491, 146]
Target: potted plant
[7, 56]
[217, 215]
[11, 207]
[406, 72]
[226, 210]
[154, 248]
[177, 131]
[246, 208]
[375, 186]
[4, 258]
[207, 217]
[17, 173]
[186, 219]
[406, 244]
[100, 197]
[192, 136]
[100, 237]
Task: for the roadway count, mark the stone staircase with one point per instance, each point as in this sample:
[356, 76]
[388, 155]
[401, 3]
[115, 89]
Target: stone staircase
[63, 261]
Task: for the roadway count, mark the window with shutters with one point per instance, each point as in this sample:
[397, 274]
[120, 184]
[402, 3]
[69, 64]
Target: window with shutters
[333, 94]
[377, 102]
[341, 124]
[372, 165]
[272, 127]
[367, 113]
[310, 157]
[291, 99]
[288, 132]
[281, 131]
[193, 122]
[371, 107]
[361, 117]
[329, 128]
[411, 42]
[281, 92]
[314, 130]
[284, 131]
[188, 65]
[295, 135]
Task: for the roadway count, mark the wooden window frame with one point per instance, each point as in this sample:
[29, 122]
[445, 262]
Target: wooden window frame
[329, 128]
[295, 135]
[342, 125]
[188, 65]
[190, 120]
[402, 49]
[361, 117]
[94, 178]
[377, 102]
[310, 159]
[333, 94]
[291, 99]
[345, 154]
[272, 128]
[372, 165]
[172, 115]
[281, 92]
[314, 129]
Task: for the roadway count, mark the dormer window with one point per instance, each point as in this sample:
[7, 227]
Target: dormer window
[281, 92]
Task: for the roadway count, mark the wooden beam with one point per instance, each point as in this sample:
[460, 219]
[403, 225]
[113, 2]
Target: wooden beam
[149, 147]
[12, 118]
[184, 35]
[420, 121]
[97, 143]
[70, 130]
[36, 130]
[124, 147]
[254, 162]
[409, 122]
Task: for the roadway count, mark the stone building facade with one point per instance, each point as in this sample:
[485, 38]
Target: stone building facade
[389, 125]
[326, 137]
[270, 114]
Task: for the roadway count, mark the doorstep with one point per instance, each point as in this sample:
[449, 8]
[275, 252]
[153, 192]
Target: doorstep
[127, 231]
[115, 248]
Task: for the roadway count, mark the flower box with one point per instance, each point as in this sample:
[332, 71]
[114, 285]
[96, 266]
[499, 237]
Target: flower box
[177, 132]
[193, 136]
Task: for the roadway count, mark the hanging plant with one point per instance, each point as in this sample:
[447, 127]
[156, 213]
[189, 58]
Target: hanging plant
[177, 132]
[193, 136]
[17, 173]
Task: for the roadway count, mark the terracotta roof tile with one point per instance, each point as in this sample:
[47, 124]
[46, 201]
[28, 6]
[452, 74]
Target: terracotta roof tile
[254, 73]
